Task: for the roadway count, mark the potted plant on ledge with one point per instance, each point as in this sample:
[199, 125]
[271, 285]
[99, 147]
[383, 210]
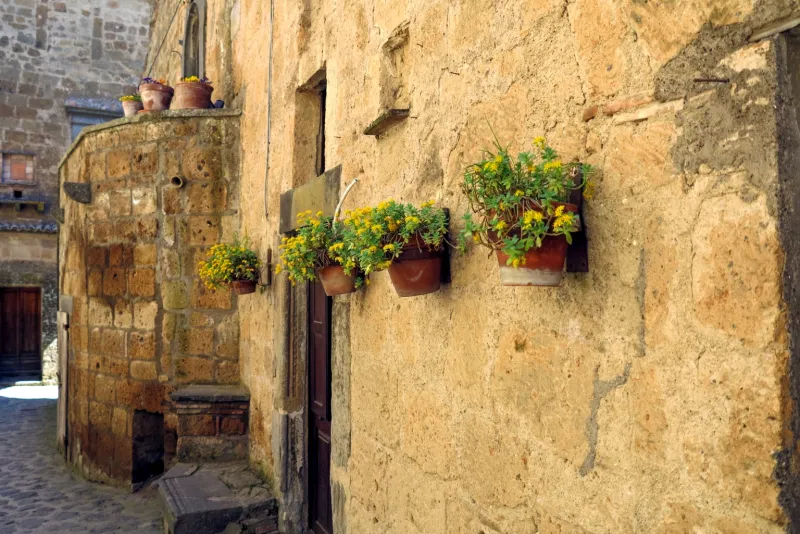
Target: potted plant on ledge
[156, 94]
[405, 239]
[317, 250]
[232, 264]
[193, 93]
[521, 211]
[131, 104]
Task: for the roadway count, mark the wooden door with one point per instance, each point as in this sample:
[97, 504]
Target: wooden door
[319, 388]
[20, 333]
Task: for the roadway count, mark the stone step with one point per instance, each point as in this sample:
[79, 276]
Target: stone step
[216, 498]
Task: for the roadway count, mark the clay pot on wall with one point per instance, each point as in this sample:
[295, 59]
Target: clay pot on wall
[417, 271]
[192, 95]
[131, 107]
[243, 287]
[335, 281]
[156, 97]
[544, 266]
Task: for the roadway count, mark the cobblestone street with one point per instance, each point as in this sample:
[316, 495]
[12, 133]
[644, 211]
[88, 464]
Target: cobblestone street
[39, 493]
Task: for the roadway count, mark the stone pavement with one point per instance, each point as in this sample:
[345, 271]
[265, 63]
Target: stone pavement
[38, 491]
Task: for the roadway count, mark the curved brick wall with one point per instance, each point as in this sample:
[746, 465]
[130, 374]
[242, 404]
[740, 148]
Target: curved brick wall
[142, 323]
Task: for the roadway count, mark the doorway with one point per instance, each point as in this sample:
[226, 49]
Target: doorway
[20, 334]
[319, 417]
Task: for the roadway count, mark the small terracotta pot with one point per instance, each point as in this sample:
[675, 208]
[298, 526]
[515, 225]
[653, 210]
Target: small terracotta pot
[417, 271]
[544, 266]
[335, 281]
[131, 107]
[192, 95]
[156, 97]
[243, 287]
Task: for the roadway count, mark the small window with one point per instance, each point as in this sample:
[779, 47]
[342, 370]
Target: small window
[17, 168]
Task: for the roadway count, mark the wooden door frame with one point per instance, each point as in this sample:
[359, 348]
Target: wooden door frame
[40, 325]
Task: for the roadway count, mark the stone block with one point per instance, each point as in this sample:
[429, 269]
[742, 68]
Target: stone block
[206, 198]
[174, 294]
[145, 255]
[95, 283]
[199, 230]
[119, 422]
[202, 163]
[100, 415]
[145, 160]
[119, 203]
[234, 426]
[144, 315]
[100, 312]
[194, 370]
[197, 425]
[104, 388]
[113, 343]
[120, 255]
[170, 263]
[204, 298]
[146, 228]
[123, 314]
[147, 396]
[97, 166]
[143, 201]
[171, 200]
[196, 341]
[143, 370]
[142, 345]
[200, 319]
[96, 256]
[227, 372]
[114, 282]
[119, 163]
[142, 282]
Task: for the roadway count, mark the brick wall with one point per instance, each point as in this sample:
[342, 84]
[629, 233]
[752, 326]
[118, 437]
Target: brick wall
[143, 323]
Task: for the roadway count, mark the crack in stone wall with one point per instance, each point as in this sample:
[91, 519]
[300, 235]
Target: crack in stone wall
[601, 389]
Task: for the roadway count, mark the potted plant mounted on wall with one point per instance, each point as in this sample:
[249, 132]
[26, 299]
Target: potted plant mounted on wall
[317, 250]
[156, 94]
[404, 239]
[233, 264]
[193, 93]
[521, 211]
[131, 104]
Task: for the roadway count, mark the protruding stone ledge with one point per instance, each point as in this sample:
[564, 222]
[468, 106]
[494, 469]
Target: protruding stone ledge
[211, 393]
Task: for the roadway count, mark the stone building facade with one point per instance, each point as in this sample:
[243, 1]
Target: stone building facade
[62, 66]
[656, 393]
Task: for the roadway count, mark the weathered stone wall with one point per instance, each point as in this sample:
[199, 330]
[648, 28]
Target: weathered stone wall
[143, 323]
[648, 395]
[48, 52]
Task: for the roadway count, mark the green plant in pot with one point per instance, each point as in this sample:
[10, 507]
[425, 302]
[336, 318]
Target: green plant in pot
[232, 264]
[403, 238]
[131, 104]
[317, 250]
[521, 211]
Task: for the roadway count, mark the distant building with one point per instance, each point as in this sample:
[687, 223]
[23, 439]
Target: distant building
[62, 67]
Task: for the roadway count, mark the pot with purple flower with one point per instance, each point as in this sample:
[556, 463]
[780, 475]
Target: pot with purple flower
[131, 104]
[193, 93]
[156, 94]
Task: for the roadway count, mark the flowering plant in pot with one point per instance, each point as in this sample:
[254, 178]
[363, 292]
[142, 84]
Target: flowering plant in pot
[156, 94]
[232, 264]
[403, 238]
[131, 104]
[521, 211]
[193, 93]
[317, 250]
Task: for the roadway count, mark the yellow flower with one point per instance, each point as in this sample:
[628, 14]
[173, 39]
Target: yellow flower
[392, 227]
[540, 142]
[428, 204]
[559, 211]
[500, 226]
[278, 269]
[476, 238]
[515, 263]
[498, 159]
[389, 248]
[519, 193]
[552, 166]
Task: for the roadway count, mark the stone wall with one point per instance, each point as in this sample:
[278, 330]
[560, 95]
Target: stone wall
[50, 51]
[649, 395]
[143, 323]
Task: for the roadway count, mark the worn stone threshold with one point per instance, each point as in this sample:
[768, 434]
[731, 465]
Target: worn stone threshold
[211, 393]
[216, 498]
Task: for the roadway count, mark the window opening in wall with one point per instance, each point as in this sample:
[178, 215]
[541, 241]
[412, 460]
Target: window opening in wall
[17, 168]
[194, 40]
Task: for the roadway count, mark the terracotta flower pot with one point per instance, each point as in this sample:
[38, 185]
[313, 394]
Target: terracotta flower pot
[544, 266]
[335, 281]
[131, 107]
[243, 287]
[156, 97]
[192, 95]
[417, 271]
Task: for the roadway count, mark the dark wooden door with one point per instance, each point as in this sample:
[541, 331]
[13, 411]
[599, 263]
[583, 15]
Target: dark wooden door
[319, 388]
[20, 333]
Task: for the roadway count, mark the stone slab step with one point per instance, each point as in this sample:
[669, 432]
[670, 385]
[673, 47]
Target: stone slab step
[216, 498]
